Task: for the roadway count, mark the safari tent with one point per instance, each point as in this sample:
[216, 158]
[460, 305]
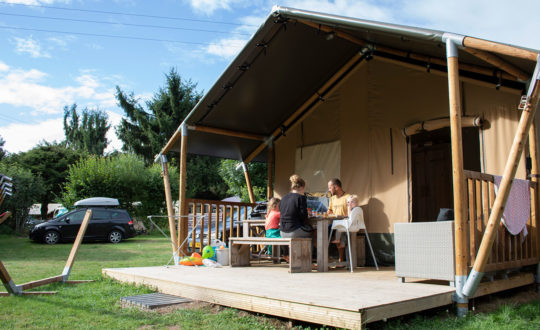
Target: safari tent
[411, 120]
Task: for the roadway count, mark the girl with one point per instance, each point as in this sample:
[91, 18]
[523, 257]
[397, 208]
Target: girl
[272, 220]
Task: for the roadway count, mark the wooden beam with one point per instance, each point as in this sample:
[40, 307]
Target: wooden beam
[533, 152]
[458, 176]
[76, 244]
[270, 176]
[498, 62]
[405, 54]
[4, 275]
[171, 142]
[221, 131]
[498, 48]
[248, 183]
[182, 212]
[326, 88]
[41, 282]
[30, 293]
[170, 207]
[512, 282]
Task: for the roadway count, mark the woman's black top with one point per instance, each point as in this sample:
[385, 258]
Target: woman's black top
[293, 212]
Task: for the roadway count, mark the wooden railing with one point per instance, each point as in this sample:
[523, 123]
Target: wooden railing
[216, 219]
[508, 251]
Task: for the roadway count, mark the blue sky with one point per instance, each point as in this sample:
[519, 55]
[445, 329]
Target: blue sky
[55, 53]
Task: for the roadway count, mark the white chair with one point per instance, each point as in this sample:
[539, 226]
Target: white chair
[353, 224]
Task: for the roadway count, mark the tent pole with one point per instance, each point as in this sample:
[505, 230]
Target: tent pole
[270, 166]
[226, 132]
[533, 152]
[182, 220]
[170, 208]
[248, 183]
[498, 48]
[460, 204]
[498, 62]
[527, 117]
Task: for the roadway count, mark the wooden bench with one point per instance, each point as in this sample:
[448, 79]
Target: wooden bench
[299, 251]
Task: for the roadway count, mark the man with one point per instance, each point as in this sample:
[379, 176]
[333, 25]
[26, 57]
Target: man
[338, 207]
[338, 201]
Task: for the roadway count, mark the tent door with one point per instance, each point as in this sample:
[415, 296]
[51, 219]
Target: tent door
[431, 161]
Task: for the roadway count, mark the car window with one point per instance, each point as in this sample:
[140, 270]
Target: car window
[100, 215]
[76, 217]
[115, 215]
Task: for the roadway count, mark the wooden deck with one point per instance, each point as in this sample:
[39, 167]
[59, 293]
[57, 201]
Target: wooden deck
[336, 298]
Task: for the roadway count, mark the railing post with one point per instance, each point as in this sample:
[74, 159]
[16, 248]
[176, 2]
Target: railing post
[460, 205]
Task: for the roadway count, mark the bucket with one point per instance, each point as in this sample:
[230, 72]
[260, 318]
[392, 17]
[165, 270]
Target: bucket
[223, 257]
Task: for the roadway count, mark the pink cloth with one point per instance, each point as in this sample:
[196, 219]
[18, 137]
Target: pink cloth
[518, 206]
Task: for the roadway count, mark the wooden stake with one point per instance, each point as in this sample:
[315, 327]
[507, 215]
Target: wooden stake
[183, 221]
[498, 48]
[460, 202]
[41, 282]
[5, 216]
[499, 62]
[169, 202]
[270, 176]
[76, 245]
[509, 173]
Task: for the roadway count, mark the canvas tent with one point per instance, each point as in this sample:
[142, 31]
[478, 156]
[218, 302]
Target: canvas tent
[328, 96]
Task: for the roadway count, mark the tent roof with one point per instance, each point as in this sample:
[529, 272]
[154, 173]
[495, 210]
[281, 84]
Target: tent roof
[287, 61]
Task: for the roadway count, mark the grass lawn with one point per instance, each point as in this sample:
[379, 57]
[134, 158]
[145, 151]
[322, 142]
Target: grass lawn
[96, 304]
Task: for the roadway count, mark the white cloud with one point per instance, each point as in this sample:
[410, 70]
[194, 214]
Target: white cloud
[31, 47]
[22, 88]
[22, 137]
[208, 7]
[226, 48]
[36, 2]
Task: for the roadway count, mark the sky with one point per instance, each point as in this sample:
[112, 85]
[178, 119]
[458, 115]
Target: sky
[54, 53]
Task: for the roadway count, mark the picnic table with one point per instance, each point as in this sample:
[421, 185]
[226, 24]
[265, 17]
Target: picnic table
[322, 223]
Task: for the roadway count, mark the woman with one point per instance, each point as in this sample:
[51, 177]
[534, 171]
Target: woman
[293, 211]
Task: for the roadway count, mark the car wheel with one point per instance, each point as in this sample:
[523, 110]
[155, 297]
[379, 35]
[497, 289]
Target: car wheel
[51, 237]
[115, 236]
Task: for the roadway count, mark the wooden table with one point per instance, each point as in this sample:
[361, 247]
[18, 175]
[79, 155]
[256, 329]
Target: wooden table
[321, 224]
[248, 224]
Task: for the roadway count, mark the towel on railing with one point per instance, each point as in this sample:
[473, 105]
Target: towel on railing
[518, 206]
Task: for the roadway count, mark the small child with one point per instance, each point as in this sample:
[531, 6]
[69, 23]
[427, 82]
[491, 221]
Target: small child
[272, 220]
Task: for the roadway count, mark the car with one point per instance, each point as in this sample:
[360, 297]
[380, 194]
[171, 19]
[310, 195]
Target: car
[107, 223]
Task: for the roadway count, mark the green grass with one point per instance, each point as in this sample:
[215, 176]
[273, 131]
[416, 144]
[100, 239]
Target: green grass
[96, 305]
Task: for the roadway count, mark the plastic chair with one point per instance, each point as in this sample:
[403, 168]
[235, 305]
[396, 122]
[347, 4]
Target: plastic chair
[353, 224]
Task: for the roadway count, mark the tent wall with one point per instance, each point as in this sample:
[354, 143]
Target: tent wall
[382, 97]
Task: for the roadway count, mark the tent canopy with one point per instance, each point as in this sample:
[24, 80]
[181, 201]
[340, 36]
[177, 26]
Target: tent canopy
[289, 58]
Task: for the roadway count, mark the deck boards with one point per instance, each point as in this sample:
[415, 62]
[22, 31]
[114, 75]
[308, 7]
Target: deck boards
[336, 298]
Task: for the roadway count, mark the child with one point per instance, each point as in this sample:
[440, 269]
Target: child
[272, 220]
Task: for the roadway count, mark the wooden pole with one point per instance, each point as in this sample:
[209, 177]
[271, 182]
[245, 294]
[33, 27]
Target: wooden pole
[460, 202]
[8, 282]
[221, 131]
[4, 217]
[270, 166]
[498, 48]
[404, 53]
[170, 207]
[299, 114]
[533, 152]
[76, 245]
[509, 173]
[248, 183]
[183, 220]
[498, 62]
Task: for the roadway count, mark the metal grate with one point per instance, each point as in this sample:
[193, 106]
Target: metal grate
[153, 300]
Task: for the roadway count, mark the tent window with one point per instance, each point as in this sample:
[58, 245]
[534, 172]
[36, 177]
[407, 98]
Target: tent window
[317, 164]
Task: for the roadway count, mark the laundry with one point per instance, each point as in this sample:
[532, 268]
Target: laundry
[518, 207]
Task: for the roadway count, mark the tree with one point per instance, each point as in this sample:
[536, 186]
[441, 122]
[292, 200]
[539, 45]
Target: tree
[27, 188]
[145, 132]
[236, 181]
[87, 133]
[2, 151]
[50, 161]
[124, 177]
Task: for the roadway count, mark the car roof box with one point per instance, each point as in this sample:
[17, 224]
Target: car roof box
[97, 201]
